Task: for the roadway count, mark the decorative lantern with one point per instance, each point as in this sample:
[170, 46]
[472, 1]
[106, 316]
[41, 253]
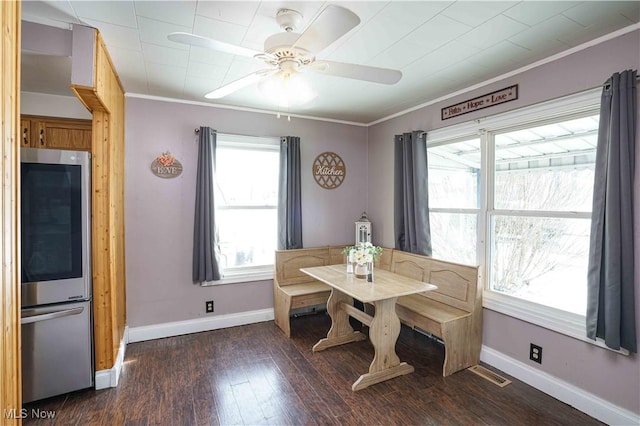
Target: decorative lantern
[363, 229]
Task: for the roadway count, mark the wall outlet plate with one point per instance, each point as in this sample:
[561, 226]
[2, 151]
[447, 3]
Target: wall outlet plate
[535, 353]
[208, 306]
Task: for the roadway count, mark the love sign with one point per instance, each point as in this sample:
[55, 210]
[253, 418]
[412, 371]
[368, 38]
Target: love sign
[494, 98]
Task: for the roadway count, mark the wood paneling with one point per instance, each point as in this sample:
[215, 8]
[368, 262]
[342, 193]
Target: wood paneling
[106, 101]
[10, 380]
[88, 97]
[103, 319]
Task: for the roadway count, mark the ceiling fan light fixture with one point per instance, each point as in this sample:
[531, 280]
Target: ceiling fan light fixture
[287, 88]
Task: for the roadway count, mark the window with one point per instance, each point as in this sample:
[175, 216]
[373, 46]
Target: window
[454, 199]
[513, 194]
[541, 216]
[246, 204]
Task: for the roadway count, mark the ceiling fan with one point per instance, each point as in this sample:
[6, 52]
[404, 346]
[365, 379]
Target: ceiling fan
[289, 53]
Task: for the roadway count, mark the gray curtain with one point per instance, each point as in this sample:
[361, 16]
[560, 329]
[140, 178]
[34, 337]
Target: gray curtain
[411, 196]
[206, 255]
[289, 195]
[610, 299]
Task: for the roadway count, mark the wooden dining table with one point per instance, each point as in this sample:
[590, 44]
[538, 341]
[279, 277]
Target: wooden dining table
[384, 325]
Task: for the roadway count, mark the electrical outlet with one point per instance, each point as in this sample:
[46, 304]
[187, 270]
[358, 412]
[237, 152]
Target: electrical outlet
[535, 353]
[209, 306]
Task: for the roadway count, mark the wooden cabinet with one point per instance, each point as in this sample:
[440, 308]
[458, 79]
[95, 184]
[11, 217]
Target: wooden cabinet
[25, 132]
[58, 133]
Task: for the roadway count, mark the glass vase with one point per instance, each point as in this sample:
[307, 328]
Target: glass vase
[350, 262]
[360, 271]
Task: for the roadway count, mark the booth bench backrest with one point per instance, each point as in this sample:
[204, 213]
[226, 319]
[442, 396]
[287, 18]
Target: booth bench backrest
[289, 262]
[457, 284]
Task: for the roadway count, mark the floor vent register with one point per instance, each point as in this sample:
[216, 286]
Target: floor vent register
[489, 375]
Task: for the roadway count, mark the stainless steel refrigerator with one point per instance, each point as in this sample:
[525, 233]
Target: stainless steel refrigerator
[56, 315]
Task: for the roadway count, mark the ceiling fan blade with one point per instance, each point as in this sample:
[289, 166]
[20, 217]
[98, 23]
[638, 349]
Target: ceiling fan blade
[240, 83]
[331, 24]
[209, 43]
[357, 72]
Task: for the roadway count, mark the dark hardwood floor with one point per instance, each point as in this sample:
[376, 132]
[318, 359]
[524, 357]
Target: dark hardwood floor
[255, 375]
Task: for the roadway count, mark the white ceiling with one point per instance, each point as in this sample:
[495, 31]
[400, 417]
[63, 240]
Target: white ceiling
[441, 47]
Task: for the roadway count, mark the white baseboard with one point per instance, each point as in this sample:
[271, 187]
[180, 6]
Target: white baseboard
[169, 329]
[584, 401]
[109, 378]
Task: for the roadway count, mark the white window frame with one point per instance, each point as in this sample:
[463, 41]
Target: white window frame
[247, 273]
[563, 322]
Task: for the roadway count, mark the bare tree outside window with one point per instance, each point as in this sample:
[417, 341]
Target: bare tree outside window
[538, 211]
[543, 186]
[453, 237]
[527, 248]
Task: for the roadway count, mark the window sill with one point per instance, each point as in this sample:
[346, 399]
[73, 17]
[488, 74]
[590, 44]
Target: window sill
[567, 323]
[261, 274]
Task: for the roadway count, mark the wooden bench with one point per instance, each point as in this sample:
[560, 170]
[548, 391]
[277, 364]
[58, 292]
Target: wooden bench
[453, 312]
[292, 289]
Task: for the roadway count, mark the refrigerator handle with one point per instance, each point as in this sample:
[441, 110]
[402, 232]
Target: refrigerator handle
[52, 315]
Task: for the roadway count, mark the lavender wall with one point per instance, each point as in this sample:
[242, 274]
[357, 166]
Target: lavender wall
[603, 373]
[44, 39]
[159, 212]
[52, 106]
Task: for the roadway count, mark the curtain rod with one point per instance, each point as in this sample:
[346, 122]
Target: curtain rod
[197, 130]
[607, 84]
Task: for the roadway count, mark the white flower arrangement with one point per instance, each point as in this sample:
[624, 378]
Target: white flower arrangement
[363, 253]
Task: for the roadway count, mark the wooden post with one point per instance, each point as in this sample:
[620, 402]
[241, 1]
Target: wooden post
[105, 99]
[10, 374]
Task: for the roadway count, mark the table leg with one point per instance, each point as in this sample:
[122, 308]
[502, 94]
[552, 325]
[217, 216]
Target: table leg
[384, 332]
[341, 331]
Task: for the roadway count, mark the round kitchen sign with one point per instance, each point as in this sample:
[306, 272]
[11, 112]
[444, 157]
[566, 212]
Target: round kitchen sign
[166, 166]
[329, 170]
